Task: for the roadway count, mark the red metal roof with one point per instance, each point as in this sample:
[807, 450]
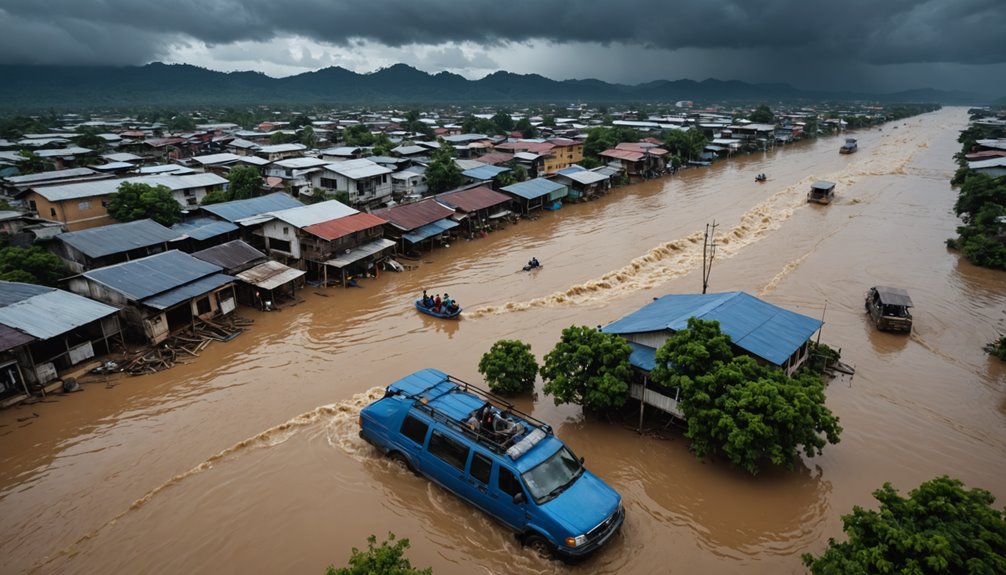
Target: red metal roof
[493, 158]
[337, 228]
[623, 155]
[411, 216]
[11, 338]
[986, 154]
[474, 199]
[640, 147]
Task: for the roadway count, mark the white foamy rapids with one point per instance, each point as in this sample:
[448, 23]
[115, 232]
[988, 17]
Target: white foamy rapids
[671, 259]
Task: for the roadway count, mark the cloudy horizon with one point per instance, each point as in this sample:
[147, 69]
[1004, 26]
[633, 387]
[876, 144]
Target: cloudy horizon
[855, 45]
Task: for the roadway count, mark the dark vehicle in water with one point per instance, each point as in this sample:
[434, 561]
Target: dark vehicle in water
[849, 147]
[821, 192]
[889, 308]
[507, 463]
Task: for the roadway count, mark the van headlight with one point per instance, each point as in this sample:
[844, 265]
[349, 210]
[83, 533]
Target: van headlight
[576, 541]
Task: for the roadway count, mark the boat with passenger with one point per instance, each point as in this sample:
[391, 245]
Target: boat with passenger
[821, 192]
[445, 309]
[849, 146]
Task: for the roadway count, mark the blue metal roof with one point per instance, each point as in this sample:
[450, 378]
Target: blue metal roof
[14, 292]
[758, 327]
[484, 172]
[188, 291]
[203, 228]
[643, 356]
[152, 275]
[533, 189]
[430, 230]
[240, 209]
[117, 238]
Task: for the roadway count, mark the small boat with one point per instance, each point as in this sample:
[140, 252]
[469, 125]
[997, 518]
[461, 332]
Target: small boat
[849, 146]
[821, 192]
[761, 178]
[532, 265]
[888, 308]
[440, 314]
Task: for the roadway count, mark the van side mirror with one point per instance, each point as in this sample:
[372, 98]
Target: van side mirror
[581, 460]
[519, 499]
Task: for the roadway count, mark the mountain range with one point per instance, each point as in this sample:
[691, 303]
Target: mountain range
[26, 88]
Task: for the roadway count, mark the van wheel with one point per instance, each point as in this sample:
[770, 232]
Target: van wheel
[400, 461]
[539, 546]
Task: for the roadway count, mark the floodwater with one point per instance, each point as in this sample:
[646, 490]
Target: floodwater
[247, 460]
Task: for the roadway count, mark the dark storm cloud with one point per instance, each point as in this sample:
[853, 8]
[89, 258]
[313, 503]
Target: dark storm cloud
[870, 31]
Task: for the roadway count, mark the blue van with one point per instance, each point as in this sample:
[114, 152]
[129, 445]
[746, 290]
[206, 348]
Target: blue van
[507, 463]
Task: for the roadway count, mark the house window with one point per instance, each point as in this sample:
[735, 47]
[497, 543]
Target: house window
[52, 212]
[31, 204]
[84, 206]
[286, 231]
[191, 201]
[104, 203]
[203, 306]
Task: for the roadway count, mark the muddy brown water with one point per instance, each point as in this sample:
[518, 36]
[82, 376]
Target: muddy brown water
[247, 460]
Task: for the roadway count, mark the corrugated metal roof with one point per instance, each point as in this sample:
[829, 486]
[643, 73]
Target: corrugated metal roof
[300, 163]
[358, 169]
[533, 189]
[644, 357]
[67, 151]
[360, 252]
[94, 188]
[430, 230]
[176, 182]
[585, 176]
[14, 292]
[281, 148]
[474, 199]
[217, 159]
[823, 185]
[203, 228]
[623, 155]
[304, 216]
[159, 273]
[758, 327]
[495, 158]
[11, 338]
[241, 209]
[50, 313]
[117, 238]
[529, 156]
[113, 166]
[231, 255]
[409, 217]
[50, 176]
[485, 172]
[409, 150]
[894, 296]
[122, 157]
[344, 226]
[253, 160]
[270, 275]
[188, 291]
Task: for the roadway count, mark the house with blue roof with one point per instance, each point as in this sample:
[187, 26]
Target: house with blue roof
[535, 194]
[769, 333]
[160, 294]
[94, 248]
[46, 331]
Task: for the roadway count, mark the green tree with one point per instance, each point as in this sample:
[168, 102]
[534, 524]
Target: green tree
[749, 412]
[588, 367]
[308, 137]
[216, 197]
[388, 559]
[762, 115]
[244, 182]
[357, 135]
[940, 528]
[382, 145]
[442, 173]
[31, 265]
[525, 128]
[180, 123]
[278, 138]
[503, 122]
[299, 121]
[87, 137]
[136, 201]
[31, 163]
[509, 367]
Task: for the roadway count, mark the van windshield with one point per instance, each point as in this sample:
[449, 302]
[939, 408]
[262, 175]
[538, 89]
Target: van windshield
[551, 477]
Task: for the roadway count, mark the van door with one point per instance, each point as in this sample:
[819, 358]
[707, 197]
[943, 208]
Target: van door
[505, 486]
[446, 462]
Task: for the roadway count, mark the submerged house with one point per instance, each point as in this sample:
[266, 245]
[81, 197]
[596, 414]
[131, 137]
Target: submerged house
[259, 279]
[417, 223]
[108, 245]
[45, 331]
[769, 333]
[584, 184]
[476, 208]
[160, 294]
[536, 194]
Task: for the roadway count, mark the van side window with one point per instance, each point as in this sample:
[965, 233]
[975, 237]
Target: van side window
[481, 466]
[414, 429]
[452, 452]
[509, 483]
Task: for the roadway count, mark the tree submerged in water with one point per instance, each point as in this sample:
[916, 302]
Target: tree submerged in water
[386, 559]
[939, 528]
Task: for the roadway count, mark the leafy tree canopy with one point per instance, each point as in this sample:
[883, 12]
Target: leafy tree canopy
[601, 139]
[940, 528]
[358, 135]
[31, 265]
[387, 559]
[762, 115]
[509, 367]
[733, 405]
[136, 201]
[245, 182]
[180, 123]
[442, 173]
[588, 367]
[525, 128]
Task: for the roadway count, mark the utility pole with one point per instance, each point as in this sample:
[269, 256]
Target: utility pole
[708, 253]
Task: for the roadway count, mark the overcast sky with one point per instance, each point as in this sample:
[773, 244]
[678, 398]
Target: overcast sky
[870, 45]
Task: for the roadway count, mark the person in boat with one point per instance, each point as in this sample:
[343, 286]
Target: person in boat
[436, 303]
[426, 300]
[533, 263]
[453, 306]
[445, 305]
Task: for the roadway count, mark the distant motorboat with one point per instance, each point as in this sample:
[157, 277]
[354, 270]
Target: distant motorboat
[761, 178]
[455, 311]
[849, 146]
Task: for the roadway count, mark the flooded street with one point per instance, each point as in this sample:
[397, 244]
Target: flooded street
[247, 460]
